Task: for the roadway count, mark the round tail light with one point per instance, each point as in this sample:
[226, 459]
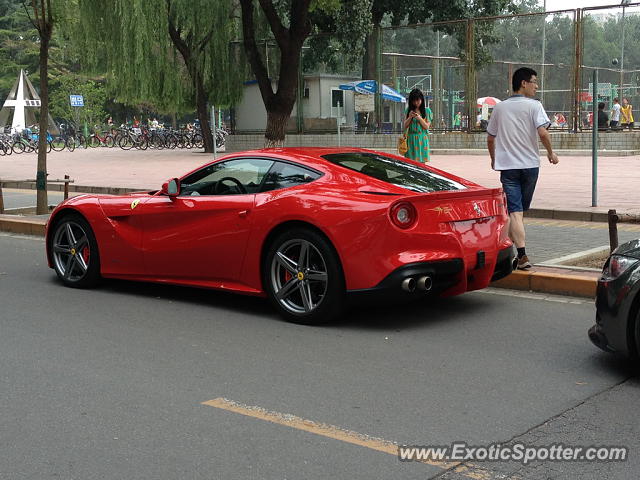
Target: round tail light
[403, 215]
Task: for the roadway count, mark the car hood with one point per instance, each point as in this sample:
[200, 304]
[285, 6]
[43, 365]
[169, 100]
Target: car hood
[630, 249]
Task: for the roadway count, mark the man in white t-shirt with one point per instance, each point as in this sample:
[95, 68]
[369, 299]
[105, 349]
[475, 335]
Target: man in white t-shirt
[514, 129]
[615, 114]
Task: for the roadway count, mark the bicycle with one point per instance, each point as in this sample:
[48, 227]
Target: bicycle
[95, 140]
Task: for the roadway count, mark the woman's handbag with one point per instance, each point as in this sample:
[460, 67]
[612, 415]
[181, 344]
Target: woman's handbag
[402, 143]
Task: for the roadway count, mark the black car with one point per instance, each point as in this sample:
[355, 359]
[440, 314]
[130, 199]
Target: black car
[617, 327]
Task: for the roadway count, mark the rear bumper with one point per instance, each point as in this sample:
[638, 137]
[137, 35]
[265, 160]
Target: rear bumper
[614, 330]
[505, 264]
[442, 274]
[599, 338]
[446, 277]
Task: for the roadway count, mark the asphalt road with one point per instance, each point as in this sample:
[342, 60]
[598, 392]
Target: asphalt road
[14, 198]
[110, 383]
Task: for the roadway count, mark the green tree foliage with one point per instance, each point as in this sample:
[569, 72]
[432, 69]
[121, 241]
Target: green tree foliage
[94, 94]
[18, 45]
[172, 53]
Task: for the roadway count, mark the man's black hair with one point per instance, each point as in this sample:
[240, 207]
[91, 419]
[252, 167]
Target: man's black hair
[524, 73]
[601, 106]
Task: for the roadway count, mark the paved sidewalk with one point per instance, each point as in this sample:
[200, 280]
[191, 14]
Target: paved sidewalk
[566, 186]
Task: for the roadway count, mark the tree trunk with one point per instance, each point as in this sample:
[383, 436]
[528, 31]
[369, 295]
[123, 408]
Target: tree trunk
[42, 204]
[198, 84]
[203, 114]
[276, 128]
[290, 41]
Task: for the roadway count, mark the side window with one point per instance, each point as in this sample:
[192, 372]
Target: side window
[233, 177]
[285, 175]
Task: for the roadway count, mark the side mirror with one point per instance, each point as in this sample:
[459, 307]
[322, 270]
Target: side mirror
[171, 188]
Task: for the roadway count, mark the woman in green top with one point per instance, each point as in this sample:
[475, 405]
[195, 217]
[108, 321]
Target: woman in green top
[417, 123]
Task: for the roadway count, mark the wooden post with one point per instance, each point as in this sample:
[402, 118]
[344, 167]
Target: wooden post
[1, 200]
[613, 229]
[66, 187]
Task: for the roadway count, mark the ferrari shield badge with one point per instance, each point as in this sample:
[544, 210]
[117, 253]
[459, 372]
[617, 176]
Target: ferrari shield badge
[134, 204]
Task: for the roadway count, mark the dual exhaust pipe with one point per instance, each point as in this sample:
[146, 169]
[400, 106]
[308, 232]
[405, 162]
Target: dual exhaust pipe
[422, 284]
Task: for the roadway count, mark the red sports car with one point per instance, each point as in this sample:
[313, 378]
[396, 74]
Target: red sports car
[303, 226]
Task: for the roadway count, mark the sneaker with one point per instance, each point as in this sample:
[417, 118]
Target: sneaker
[523, 263]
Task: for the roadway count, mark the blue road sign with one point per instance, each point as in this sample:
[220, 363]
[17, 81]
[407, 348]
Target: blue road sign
[76, 100]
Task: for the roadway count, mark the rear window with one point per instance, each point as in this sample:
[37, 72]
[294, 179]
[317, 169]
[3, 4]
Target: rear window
[393, 171]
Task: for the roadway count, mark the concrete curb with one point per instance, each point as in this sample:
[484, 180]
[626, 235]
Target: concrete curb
[577, 283]
[23, 225]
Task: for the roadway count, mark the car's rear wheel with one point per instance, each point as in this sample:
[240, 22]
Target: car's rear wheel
[303, 277]
[74, 252]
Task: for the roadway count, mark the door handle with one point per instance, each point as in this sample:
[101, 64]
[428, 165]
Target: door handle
[243, 213]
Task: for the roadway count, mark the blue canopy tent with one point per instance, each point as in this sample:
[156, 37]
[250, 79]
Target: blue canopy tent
[371, 87]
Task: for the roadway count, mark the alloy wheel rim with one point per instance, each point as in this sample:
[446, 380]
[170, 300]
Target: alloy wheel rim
[71, 251]
[299, 276]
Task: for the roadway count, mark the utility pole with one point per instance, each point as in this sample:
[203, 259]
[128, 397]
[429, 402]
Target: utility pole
[544, 48]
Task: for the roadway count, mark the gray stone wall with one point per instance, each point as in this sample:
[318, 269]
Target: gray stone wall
[449, 141]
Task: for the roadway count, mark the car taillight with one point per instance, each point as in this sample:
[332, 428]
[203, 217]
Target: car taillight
[403, 215]
[616, 266]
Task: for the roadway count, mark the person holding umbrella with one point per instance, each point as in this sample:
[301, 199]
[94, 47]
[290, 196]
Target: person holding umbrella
[416, 124]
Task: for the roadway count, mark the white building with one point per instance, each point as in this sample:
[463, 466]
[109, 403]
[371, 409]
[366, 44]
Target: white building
[321, 95]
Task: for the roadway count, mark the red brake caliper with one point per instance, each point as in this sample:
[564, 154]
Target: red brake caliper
[85, 255]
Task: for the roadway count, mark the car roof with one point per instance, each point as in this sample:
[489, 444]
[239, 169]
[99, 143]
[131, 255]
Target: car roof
[311, 156]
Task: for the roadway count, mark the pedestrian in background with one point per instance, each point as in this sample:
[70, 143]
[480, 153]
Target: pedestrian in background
[603, 118]
[457, 121]
[626, 112]
[514, 129]
[615, 114]
[417, 123]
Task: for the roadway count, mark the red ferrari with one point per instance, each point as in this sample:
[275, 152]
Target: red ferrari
[305, 227]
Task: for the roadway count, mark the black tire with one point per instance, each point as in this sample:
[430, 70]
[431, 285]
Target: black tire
[58, 144]
[141, 143]
[319, 276]
[17, 147]
[70, 143]
[197, 141]
[126, 142]
[77, 264]
[109, 141]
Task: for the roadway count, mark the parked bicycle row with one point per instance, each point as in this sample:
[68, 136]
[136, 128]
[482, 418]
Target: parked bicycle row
[126, 138]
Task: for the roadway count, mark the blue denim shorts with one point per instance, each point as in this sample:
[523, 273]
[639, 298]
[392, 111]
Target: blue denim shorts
[518, 186]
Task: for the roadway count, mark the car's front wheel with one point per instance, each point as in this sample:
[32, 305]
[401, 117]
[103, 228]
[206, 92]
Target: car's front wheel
[303, 277]
[74, 252]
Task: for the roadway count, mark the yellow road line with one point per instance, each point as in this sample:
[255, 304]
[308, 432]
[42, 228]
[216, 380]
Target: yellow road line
[337, 433]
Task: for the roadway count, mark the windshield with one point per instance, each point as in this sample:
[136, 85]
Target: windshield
[394, 171]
